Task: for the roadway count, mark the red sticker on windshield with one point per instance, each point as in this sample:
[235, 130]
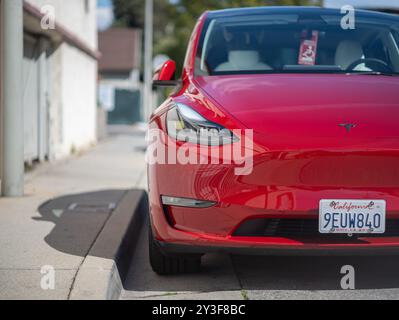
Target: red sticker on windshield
[308, 50]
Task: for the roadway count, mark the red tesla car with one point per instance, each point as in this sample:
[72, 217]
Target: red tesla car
[282, 136]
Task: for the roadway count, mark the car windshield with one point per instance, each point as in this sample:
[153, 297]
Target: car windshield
[295, 43]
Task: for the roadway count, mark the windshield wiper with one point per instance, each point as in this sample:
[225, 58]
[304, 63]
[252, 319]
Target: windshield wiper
[374, 73]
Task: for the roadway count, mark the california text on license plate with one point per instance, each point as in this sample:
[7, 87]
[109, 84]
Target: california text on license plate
[352, 216]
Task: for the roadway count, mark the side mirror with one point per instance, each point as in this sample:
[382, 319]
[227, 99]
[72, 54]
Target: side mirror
[165, 75]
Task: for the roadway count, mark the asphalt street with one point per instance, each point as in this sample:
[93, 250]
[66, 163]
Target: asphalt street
[225, 277]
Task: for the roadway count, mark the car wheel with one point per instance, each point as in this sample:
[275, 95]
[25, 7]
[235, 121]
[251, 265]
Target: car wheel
[164, 264]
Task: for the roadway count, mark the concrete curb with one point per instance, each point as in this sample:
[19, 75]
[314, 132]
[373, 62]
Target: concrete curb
[103, 271]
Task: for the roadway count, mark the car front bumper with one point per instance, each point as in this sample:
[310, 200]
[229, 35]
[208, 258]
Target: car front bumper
[246, 248]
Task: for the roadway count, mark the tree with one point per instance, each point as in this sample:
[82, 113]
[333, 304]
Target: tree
[174, 21]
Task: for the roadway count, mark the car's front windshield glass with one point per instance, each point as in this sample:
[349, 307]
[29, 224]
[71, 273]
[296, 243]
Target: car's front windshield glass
[292, 43]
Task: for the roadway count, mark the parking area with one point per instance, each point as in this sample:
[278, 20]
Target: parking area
[225, 277]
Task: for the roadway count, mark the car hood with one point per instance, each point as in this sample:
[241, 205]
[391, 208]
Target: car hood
[295, 106]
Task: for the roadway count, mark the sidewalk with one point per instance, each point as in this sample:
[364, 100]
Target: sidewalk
[65, 207]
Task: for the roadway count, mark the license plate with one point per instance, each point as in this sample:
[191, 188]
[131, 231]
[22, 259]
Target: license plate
[352, 216]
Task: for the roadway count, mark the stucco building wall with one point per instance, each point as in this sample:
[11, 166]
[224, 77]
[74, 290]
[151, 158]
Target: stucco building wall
[72, 89]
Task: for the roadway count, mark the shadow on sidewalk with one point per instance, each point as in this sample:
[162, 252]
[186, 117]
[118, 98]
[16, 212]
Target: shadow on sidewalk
[78, 219]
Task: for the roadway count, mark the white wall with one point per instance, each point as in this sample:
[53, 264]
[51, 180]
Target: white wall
[73, 80]
[73, 15]
[79, 78]
[1, 94]
[131, 81]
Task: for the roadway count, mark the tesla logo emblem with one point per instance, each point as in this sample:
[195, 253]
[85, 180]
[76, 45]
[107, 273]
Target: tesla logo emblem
[348, 126]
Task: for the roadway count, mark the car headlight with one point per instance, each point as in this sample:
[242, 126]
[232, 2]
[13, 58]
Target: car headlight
[185, 124]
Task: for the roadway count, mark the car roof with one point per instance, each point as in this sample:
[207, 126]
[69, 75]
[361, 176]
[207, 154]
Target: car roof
[295, 10]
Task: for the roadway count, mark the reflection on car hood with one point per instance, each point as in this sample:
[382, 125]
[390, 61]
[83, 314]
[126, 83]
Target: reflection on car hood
[309, 105]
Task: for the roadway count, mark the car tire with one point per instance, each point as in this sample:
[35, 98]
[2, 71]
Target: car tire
[164, 264]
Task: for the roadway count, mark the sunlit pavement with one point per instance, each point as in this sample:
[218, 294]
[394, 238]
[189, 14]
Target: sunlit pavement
[65, 206]
[225, 277]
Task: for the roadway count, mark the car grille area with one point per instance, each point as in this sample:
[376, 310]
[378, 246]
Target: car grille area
[305, 230]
